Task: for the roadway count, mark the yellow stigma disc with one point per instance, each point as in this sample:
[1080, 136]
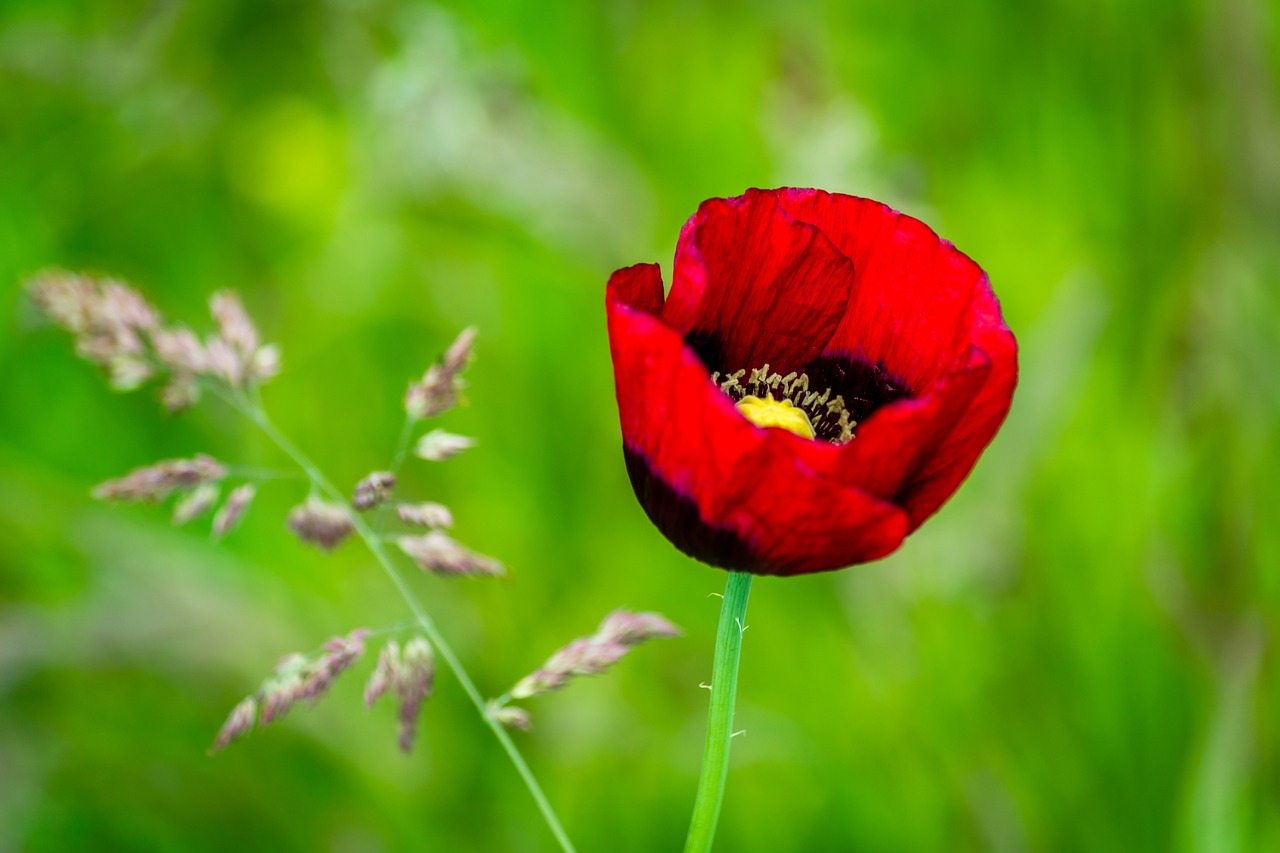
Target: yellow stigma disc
[782, 414]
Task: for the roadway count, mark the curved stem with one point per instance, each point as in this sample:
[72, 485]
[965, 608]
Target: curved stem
[724, 688]
[258, 415]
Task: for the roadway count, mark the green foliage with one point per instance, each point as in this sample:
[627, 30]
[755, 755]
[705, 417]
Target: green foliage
[1074, 655]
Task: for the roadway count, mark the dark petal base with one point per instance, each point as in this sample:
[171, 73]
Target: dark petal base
[678, 518]
[864, 386]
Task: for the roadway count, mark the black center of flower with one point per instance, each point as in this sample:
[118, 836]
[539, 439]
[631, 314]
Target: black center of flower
[835, 392]
[864, 386]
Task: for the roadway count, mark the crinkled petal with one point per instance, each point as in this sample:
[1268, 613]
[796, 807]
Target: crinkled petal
[954, 456]
[896, 448]
[911, 307]
[926, 312]
[754, 285]
[722, 490]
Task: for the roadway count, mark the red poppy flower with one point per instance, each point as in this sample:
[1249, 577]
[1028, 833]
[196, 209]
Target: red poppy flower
[823, 375]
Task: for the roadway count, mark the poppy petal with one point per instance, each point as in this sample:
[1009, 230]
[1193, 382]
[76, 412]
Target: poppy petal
[911, 305]
[638, 286]
[958, 451]
[752, 285]
[799, 522]
[723, 490]
[898, 438]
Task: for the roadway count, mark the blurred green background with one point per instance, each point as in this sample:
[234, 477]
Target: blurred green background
[1076, 654]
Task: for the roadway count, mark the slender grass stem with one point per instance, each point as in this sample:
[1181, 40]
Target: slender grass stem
[402, 444]
[248, 472]
[254, 410]
[724, 689]
[402, 447]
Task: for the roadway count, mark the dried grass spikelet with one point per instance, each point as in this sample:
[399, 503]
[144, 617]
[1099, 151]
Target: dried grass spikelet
[509, 716]
[438, 389]
[195, 503]
[373, 490]
[384, 674]
[157, 481]
[619, 633]
[239, 722]
[427, 514]
[110, 321]
[237, 353]
[440, 554]
[408, 674]
[180, 350]
[413, 687]
[296, 678]
[99, 312]
[116, 328]
[438, 445]
[631, 629]
[181, 392]
[339, 655]
[234, 325]
[233, 509]
[320, 523]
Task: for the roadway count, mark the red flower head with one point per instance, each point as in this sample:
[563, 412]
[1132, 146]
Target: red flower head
[822, 377]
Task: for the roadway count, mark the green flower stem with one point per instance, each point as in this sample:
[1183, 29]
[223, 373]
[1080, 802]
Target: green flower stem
[254, 410]
[724, 688]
